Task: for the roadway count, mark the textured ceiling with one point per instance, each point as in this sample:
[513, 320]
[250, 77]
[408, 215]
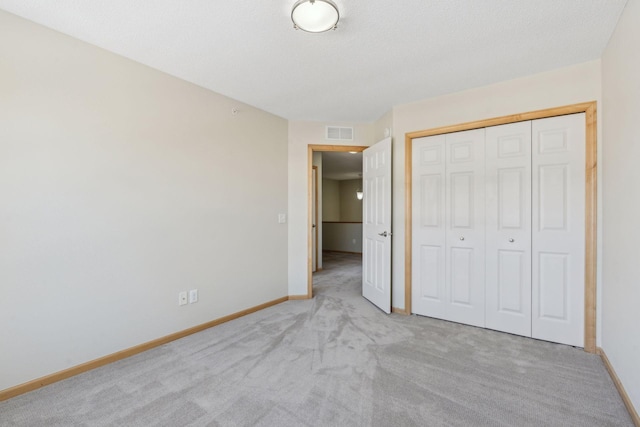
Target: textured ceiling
[340, 165]
[384, 53]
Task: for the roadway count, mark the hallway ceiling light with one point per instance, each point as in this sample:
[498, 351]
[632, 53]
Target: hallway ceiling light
[315, 16]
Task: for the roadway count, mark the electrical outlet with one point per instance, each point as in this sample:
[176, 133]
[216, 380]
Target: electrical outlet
[353, 241]
[193, 296]
[182, 298]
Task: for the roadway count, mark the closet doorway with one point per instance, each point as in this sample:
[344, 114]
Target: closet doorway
[587, 251]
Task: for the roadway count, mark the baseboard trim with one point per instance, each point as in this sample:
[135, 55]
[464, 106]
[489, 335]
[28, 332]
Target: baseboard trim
[123, 354]
[398, 310]
[341, 252]
[620, 387]
[298, 297]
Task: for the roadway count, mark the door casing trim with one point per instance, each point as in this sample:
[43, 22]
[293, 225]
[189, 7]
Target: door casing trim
[590, 110]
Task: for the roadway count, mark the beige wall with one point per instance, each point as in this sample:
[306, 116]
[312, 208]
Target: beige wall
[621, 175]
[350, 206]
[330, 200]
[345, 207]
[383, 127]
[339, 201]
[120, 187]
[564, 86]
[301, 135]
[341, 236]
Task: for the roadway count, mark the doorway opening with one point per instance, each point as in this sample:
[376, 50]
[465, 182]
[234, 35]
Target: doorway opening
[338, 233]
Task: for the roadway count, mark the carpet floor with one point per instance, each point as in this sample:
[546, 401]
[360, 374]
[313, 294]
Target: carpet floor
[335, 360]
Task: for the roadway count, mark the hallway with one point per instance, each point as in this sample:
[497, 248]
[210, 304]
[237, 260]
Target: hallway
[341, 273]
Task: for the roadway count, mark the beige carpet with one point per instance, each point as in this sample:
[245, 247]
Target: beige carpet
[335, 361]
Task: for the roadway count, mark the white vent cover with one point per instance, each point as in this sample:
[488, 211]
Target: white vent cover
[342, 133]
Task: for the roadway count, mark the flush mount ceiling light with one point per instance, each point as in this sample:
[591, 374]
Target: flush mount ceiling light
[315, 16]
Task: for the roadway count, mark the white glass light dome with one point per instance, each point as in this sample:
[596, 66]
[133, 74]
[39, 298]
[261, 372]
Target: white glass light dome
[315, 16]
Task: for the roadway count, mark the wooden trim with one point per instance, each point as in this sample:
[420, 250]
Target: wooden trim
[342, 252]
[623, 393]
[342, 222]
[309, 223]
[408, 220]
[315, 220]
[310, 149]
[298, 297]
[398, 310]
[514, 118]
[123, 354]
[590, 110]
[343, 148]
[591, 229]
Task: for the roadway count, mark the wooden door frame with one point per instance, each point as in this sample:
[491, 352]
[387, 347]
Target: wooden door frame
[310, 150]
[591, 136]
[315, 217]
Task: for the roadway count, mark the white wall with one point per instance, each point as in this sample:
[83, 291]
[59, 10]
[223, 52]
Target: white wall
[571, 85]
[301, 135]
[621, 176]
[120, 187]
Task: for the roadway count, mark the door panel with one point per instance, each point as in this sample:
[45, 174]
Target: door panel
[553, 200]
[432, 274]
[465, 235]
[558, 246]
[554, 284]
[508, 228]
[461, 276]
[448, 246]
[512, 281]
[461, 187]
[376, 275]
[428, 225]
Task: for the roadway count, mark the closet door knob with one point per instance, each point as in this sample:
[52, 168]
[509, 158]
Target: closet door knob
[511, 240]
[461, 237]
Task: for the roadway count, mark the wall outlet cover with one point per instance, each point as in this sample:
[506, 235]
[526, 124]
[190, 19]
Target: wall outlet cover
[182, 298]
[193, 296]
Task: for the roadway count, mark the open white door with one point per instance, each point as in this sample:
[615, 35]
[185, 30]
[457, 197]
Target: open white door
[376, 225]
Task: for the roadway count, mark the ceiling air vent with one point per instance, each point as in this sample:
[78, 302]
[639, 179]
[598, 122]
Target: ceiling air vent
[342, 133]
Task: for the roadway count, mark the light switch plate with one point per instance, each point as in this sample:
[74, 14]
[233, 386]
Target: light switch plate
[282, 218]
[193, 296]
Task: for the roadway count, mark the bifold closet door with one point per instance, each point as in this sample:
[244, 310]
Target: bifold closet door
[428, 295]
[558, 238]
[448, 227]
[465, 229]
[508, 228]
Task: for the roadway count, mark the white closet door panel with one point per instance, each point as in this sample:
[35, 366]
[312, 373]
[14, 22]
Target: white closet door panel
[428, 225]
[464, 220]
[508, 228]
[558, 217]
